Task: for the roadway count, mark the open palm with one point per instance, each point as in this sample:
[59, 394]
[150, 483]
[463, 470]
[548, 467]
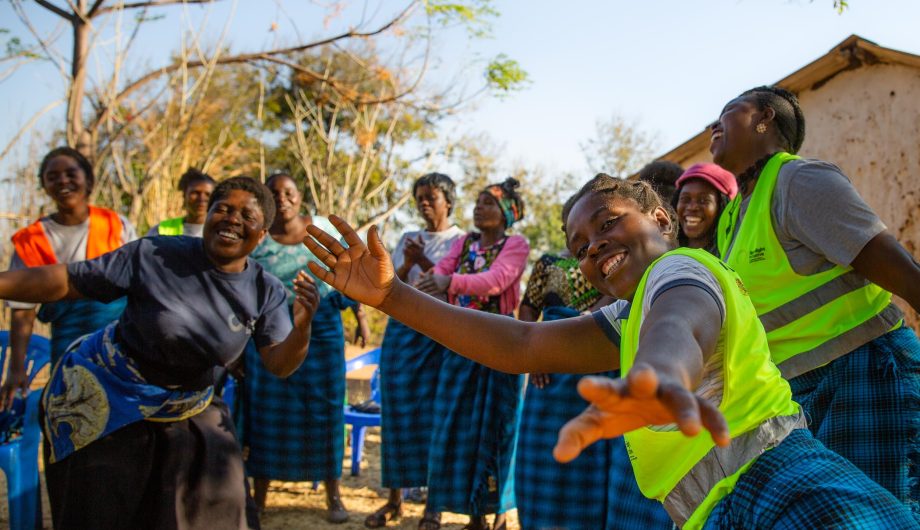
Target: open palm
[619, 406]
[362, 272]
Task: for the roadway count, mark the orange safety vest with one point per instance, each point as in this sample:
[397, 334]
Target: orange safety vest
[105, 228]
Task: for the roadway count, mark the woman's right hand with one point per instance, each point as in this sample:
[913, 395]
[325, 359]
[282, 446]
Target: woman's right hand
[362, 272]
[15, 380]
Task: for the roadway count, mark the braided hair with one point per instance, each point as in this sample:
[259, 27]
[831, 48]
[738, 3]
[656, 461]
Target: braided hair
[790, 121]
[636, 190]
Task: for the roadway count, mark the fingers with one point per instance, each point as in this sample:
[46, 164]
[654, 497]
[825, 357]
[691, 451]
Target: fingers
[374, 244]
[714, 422]
[602, 391]
[348, 233]
[682, 404]
[321, 273]
[330, 243]
[577, 434]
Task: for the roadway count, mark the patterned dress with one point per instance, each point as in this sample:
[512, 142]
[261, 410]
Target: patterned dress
[410, 363]
[598, 489]
[470, 467]
[293, 427]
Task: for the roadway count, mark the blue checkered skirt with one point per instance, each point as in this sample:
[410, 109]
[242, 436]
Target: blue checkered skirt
[801, 485]
[293, 428]
[470, 466]
[865, 406]
[409, 367]
[597, 490]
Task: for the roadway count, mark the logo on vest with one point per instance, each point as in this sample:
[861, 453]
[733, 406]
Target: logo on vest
[758, 254]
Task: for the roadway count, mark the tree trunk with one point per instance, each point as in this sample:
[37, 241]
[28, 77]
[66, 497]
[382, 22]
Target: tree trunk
[77, 136]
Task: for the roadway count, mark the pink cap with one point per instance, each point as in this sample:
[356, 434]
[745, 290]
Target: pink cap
[720, 179]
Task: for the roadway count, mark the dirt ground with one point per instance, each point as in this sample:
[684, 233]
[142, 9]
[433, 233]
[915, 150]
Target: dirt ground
[295, 506]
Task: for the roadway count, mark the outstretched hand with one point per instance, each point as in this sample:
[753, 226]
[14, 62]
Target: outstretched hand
[362, 272]
[643, 398]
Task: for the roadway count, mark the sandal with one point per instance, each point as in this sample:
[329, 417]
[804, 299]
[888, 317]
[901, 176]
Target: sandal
[430, 521]
[381, 517]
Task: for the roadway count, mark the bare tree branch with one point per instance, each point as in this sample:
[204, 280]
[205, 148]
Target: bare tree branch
[56, 10]
[247, 57]
[43, 43]
[95, 7]
[152, 3]
[28, 126]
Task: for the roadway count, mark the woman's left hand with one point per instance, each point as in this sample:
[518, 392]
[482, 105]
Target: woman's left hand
[434, 284]
[306, 300]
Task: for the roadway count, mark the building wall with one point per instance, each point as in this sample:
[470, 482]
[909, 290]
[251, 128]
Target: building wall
[867, 121]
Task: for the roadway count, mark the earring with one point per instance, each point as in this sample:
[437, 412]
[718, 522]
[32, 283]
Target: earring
[761, 128]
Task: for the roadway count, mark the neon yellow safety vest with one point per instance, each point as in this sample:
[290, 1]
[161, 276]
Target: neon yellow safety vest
[689, 474]
[171, 227]
[806, 317]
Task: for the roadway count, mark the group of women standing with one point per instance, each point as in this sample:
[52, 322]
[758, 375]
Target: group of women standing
[758, 308]
[789, 352]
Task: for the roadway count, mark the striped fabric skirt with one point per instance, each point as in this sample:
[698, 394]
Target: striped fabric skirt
[293, 428]
[409, 367]
[470, 466]
[595, 491]
[801, 485]
[865, 406]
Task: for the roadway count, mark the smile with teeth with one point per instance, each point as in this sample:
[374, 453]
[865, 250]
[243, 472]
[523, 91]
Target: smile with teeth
[226, 234]
[692, 220]
[612, 263]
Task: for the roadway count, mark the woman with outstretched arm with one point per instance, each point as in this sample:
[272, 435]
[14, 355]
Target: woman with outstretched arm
[132, 437]
[682, 370]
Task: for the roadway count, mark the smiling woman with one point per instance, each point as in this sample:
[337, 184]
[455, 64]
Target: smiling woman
[821, 269]
[74, 232]
[682, 370]
[192, 306]
[196, 188]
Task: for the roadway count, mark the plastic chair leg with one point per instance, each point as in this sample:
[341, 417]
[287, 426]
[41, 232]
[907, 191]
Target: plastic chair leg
[357, 447]
[21, 494]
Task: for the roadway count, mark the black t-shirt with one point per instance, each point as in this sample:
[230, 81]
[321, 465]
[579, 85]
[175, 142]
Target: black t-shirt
[184, 316]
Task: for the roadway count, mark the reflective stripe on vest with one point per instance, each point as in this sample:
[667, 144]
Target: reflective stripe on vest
[105, 229]
[172, 227]
[689, 474]
[809, 319]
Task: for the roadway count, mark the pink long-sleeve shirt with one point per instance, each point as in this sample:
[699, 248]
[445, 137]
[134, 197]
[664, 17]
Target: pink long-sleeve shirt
[503, 277]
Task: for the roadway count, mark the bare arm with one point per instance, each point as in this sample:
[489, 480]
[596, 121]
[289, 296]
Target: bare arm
[886, 263]
[674, 345]
[365, 273]
[20, 331]
[284, 357]
[37, 284]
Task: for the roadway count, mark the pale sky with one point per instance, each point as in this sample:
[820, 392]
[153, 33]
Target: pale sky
[668, 64]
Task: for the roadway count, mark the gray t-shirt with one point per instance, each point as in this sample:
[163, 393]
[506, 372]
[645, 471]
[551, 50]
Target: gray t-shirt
[437, 244]
[69, 245]
[188, 229]
[674, 271]
[184, 316]
[818, 216]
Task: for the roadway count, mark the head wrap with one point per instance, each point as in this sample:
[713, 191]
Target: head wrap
[508, 200]
[723, 181]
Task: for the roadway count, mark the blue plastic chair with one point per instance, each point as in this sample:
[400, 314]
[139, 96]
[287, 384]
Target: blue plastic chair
[360, 421]
[19, 456]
